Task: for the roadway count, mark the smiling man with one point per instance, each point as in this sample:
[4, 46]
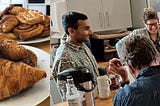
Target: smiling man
[73, 51]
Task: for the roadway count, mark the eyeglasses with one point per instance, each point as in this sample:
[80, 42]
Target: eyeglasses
[153, 24]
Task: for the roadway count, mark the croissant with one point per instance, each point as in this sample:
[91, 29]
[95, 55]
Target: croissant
[9, 49]
[17, 76]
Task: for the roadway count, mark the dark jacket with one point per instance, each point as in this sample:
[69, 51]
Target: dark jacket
[144, 91]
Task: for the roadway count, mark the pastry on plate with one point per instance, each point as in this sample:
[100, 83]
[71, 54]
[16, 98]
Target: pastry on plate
[30, 17]
[9, 49]
[25, 31]
[16, 77]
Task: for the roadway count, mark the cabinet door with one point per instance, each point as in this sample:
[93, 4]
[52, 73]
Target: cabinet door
[117, 14]
[92, 8]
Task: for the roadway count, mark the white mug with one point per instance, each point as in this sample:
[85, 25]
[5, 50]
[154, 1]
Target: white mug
[103, 83]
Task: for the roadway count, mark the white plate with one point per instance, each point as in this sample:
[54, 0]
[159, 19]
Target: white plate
[40, 91]
[36, 40]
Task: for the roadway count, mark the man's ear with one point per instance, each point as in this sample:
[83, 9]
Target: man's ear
[71, 31]
[132, 71]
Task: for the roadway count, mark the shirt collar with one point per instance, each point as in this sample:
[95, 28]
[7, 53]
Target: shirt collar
[148, 71]
[75, 47]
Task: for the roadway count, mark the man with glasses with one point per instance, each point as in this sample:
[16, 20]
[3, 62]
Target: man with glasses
[151, 30]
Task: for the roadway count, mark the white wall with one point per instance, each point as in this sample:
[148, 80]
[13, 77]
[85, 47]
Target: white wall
[137, 7]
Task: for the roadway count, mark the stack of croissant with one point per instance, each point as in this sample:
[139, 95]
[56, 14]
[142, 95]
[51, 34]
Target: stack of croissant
[18, 69]
[19, 23]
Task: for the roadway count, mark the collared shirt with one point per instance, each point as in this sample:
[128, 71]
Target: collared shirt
[142, 31]
[144, 91]
[70, 55]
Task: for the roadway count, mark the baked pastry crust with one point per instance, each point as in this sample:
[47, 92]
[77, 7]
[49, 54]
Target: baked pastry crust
[30, 17]
[25, 31]
[17, 9]
[17, 76]
[9, 35]
[46, 30]
[8, 22]
[9, 49]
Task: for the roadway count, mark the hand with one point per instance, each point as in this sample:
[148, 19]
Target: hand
[116, 67]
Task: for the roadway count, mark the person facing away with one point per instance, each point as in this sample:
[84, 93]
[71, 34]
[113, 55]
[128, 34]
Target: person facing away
[73, 52]
[151, 29]
[141, 56]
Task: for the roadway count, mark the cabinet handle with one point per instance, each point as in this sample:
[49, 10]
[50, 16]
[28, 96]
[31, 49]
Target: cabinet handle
[107, 19]
[101, 20]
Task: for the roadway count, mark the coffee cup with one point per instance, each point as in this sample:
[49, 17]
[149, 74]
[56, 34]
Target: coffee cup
[103, 83]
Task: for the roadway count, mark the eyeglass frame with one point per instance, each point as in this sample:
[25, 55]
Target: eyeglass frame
[153, 24]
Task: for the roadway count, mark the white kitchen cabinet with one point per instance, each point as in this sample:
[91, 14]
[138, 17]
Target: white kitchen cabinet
[117, 14]
[103, 14]
[92, 8]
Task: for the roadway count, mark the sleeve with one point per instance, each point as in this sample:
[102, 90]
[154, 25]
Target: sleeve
[60, 64]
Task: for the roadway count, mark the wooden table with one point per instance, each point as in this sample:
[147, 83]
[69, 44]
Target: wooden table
[46, 47]
[98, 101]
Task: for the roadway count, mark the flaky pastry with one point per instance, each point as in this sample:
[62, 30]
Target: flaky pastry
[30, 17]
[16, 77]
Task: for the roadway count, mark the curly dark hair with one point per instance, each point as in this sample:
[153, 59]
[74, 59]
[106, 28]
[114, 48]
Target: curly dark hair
[139, 51]
[70, 19]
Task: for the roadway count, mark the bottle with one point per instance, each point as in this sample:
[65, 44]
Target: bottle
[72, 96]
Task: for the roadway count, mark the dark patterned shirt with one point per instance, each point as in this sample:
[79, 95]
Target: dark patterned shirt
[70, 55]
